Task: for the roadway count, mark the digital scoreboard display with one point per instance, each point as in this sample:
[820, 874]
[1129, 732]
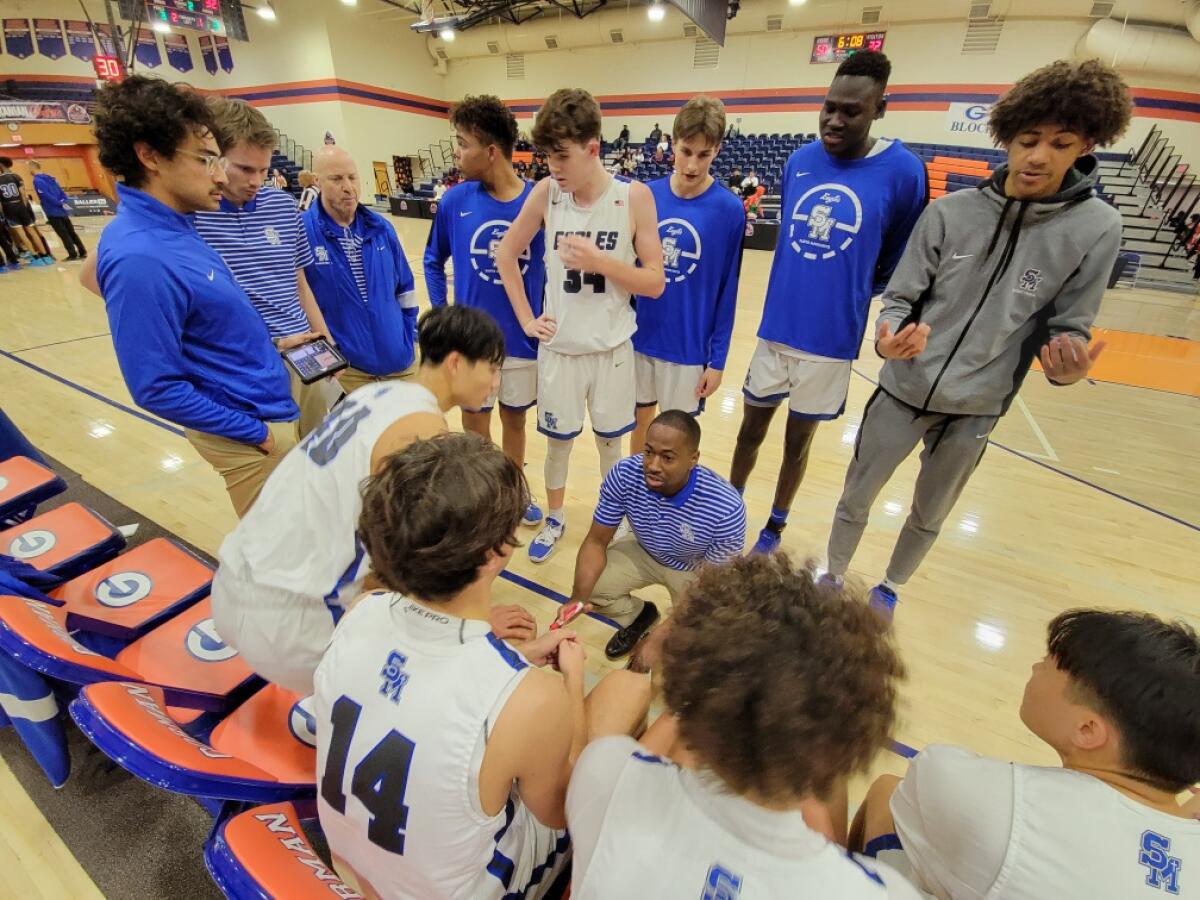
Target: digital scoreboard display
[108, 68]
[834, 48]
[198, 15]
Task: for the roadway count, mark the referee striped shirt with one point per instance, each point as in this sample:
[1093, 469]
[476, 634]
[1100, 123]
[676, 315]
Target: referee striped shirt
[264, 244]
[704, 522]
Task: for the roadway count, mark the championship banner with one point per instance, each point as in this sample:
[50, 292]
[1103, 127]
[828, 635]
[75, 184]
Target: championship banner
[146, 51]
[224, 54]
[207, 54]
[179, 55]
[73, 113]
[79, 39]
[50, 41]
[108, 46]
[18, 39]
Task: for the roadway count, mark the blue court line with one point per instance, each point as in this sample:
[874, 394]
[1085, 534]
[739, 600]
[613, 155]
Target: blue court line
[57, 343]
[1037, 462]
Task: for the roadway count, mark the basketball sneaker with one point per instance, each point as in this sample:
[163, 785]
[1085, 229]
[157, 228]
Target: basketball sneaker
[546, 542]
[768, 542]
[883, 600]
[533, 515]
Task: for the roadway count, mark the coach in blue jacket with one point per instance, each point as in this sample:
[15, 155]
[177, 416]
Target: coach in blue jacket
[361, 278]
[57, 207]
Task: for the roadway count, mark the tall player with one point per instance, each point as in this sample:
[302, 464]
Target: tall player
[444, 753]
[472, 218]
[602, 247]
[289, 568]
[683, 338]
[850, 202]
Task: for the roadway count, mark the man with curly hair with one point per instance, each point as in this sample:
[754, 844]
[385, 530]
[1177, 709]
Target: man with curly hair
[991, 278]
[191, 347]
[1117, 698]
[778, 688]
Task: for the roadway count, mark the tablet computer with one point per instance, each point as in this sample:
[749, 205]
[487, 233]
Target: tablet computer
[315, 360]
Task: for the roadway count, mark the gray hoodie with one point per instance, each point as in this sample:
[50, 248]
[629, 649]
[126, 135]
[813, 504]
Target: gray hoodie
[995, 278]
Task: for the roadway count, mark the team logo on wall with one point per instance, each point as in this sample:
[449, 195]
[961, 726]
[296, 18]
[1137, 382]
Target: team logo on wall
[484, 242]
[824, 221]
[681, 248]
[205, 644]
[123, 589]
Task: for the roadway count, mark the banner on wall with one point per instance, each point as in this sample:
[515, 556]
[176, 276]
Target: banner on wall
[146, 51]
[224, 54]
[968, 118]
[18, 39]
[49, 38]
[179, 55]
[107, 46]
[79, 39]
[207, 54]
[74, 113]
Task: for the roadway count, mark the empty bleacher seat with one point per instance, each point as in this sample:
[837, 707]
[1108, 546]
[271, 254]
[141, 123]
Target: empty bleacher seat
[23, 485]
[64, 542]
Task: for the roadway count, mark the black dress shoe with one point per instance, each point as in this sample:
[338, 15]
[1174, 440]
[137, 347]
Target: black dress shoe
[626, 638]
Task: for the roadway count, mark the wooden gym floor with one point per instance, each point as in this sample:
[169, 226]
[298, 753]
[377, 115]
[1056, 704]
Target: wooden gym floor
[1088, 496]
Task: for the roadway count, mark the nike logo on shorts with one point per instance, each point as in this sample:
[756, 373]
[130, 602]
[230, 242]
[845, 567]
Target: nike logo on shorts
[467, 213]
[963, 255]
[211, 274]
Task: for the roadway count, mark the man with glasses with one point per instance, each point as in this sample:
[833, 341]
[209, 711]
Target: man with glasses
[191, 347]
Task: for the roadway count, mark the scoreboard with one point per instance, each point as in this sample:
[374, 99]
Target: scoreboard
[197, 15]
[835, 48]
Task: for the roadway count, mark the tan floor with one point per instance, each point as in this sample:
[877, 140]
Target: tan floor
[1029, 537]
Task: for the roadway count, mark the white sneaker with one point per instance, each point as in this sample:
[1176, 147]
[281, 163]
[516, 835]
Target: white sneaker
[544, 545]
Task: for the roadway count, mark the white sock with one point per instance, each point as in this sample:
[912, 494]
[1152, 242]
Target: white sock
[887, 583]
[558, 515]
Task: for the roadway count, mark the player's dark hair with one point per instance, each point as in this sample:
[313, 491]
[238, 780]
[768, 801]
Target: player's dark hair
[489, 120]
[146, 109]
[1088, 98]
[782, 686]
[1143, 674]
[681, 422]
[447, 329]
[434, 510]
[6, 161]
[869, 63]
[570, 115]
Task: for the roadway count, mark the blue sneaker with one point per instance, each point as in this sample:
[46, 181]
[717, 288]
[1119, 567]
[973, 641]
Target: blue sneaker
[546, 542]
[768, 542]
[40, 261]
[883, 600]
[533, 515]
[13, 267]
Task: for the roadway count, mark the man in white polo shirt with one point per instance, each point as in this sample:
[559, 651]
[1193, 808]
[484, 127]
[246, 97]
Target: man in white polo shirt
[681, 515]
[258, 233]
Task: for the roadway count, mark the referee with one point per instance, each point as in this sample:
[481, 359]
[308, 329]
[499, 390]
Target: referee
[681, 515]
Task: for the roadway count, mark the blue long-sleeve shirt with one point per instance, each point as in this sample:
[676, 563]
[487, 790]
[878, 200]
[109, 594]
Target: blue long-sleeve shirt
[468, 227]
[190, 346]
[845, 225]
[691, 322]
[370, 306]
[51, 195]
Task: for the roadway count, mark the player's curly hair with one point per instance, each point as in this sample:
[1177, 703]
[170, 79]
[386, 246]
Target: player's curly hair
[1088, 98]
[869, 63]
[782, 686]
[146, 109]
[488, 119]
[570, 115]
[434, 510]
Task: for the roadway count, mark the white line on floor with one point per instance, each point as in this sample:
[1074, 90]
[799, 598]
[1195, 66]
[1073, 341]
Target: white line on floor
[1038, 433]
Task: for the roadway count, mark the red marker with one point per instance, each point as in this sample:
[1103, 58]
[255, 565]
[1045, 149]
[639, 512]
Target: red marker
[567, 615]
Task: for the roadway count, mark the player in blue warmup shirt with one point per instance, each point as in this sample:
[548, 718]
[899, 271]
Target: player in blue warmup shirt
[682, 338]
[471, 220]
[850, 202]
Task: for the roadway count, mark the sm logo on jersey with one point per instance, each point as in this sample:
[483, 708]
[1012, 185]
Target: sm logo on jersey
[681, 248]
[605, 240]
[393, 675]
[824, 221]
[483, 246]
[123, 589]
[205, 644]
[721, 884]
[1164, 868]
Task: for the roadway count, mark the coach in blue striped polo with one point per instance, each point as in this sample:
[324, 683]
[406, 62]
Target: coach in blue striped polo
[257, 231]
[681, 515]
[360, 277]
[190, 346]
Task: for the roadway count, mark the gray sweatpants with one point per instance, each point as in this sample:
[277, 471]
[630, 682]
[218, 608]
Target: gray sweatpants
[889, 432]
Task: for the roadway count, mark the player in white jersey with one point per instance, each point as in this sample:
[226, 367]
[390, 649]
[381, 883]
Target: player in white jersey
[443, 753]
[780, 689]
[291, 564]
[1117, 697]
[602, 247]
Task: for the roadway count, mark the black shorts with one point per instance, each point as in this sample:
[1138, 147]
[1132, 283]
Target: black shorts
[18, 214]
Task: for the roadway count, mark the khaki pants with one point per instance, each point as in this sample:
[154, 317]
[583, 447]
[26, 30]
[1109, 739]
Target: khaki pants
[351, 379]
[244, 467]
[630, 567]
[314, 400]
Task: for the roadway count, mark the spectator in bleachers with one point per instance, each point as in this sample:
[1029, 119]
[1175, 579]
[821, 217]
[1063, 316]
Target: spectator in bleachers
[655, 133]
[661, 149]
[735, 180]
[990, 276]
[750, 182]
[1117, 698]
[308, 189]
[777, 689]
[279, 179]
[623, 138]
[419, 705]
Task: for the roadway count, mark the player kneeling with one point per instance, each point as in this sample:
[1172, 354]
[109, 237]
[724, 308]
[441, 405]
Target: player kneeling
[781, 688]
[444, 752]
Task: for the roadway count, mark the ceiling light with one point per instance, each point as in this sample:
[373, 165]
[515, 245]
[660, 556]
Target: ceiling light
[349, 2]
[267, 11]
[656, 12]
[161, 27]
[796, 2]
[64, 143]
[447, 34]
